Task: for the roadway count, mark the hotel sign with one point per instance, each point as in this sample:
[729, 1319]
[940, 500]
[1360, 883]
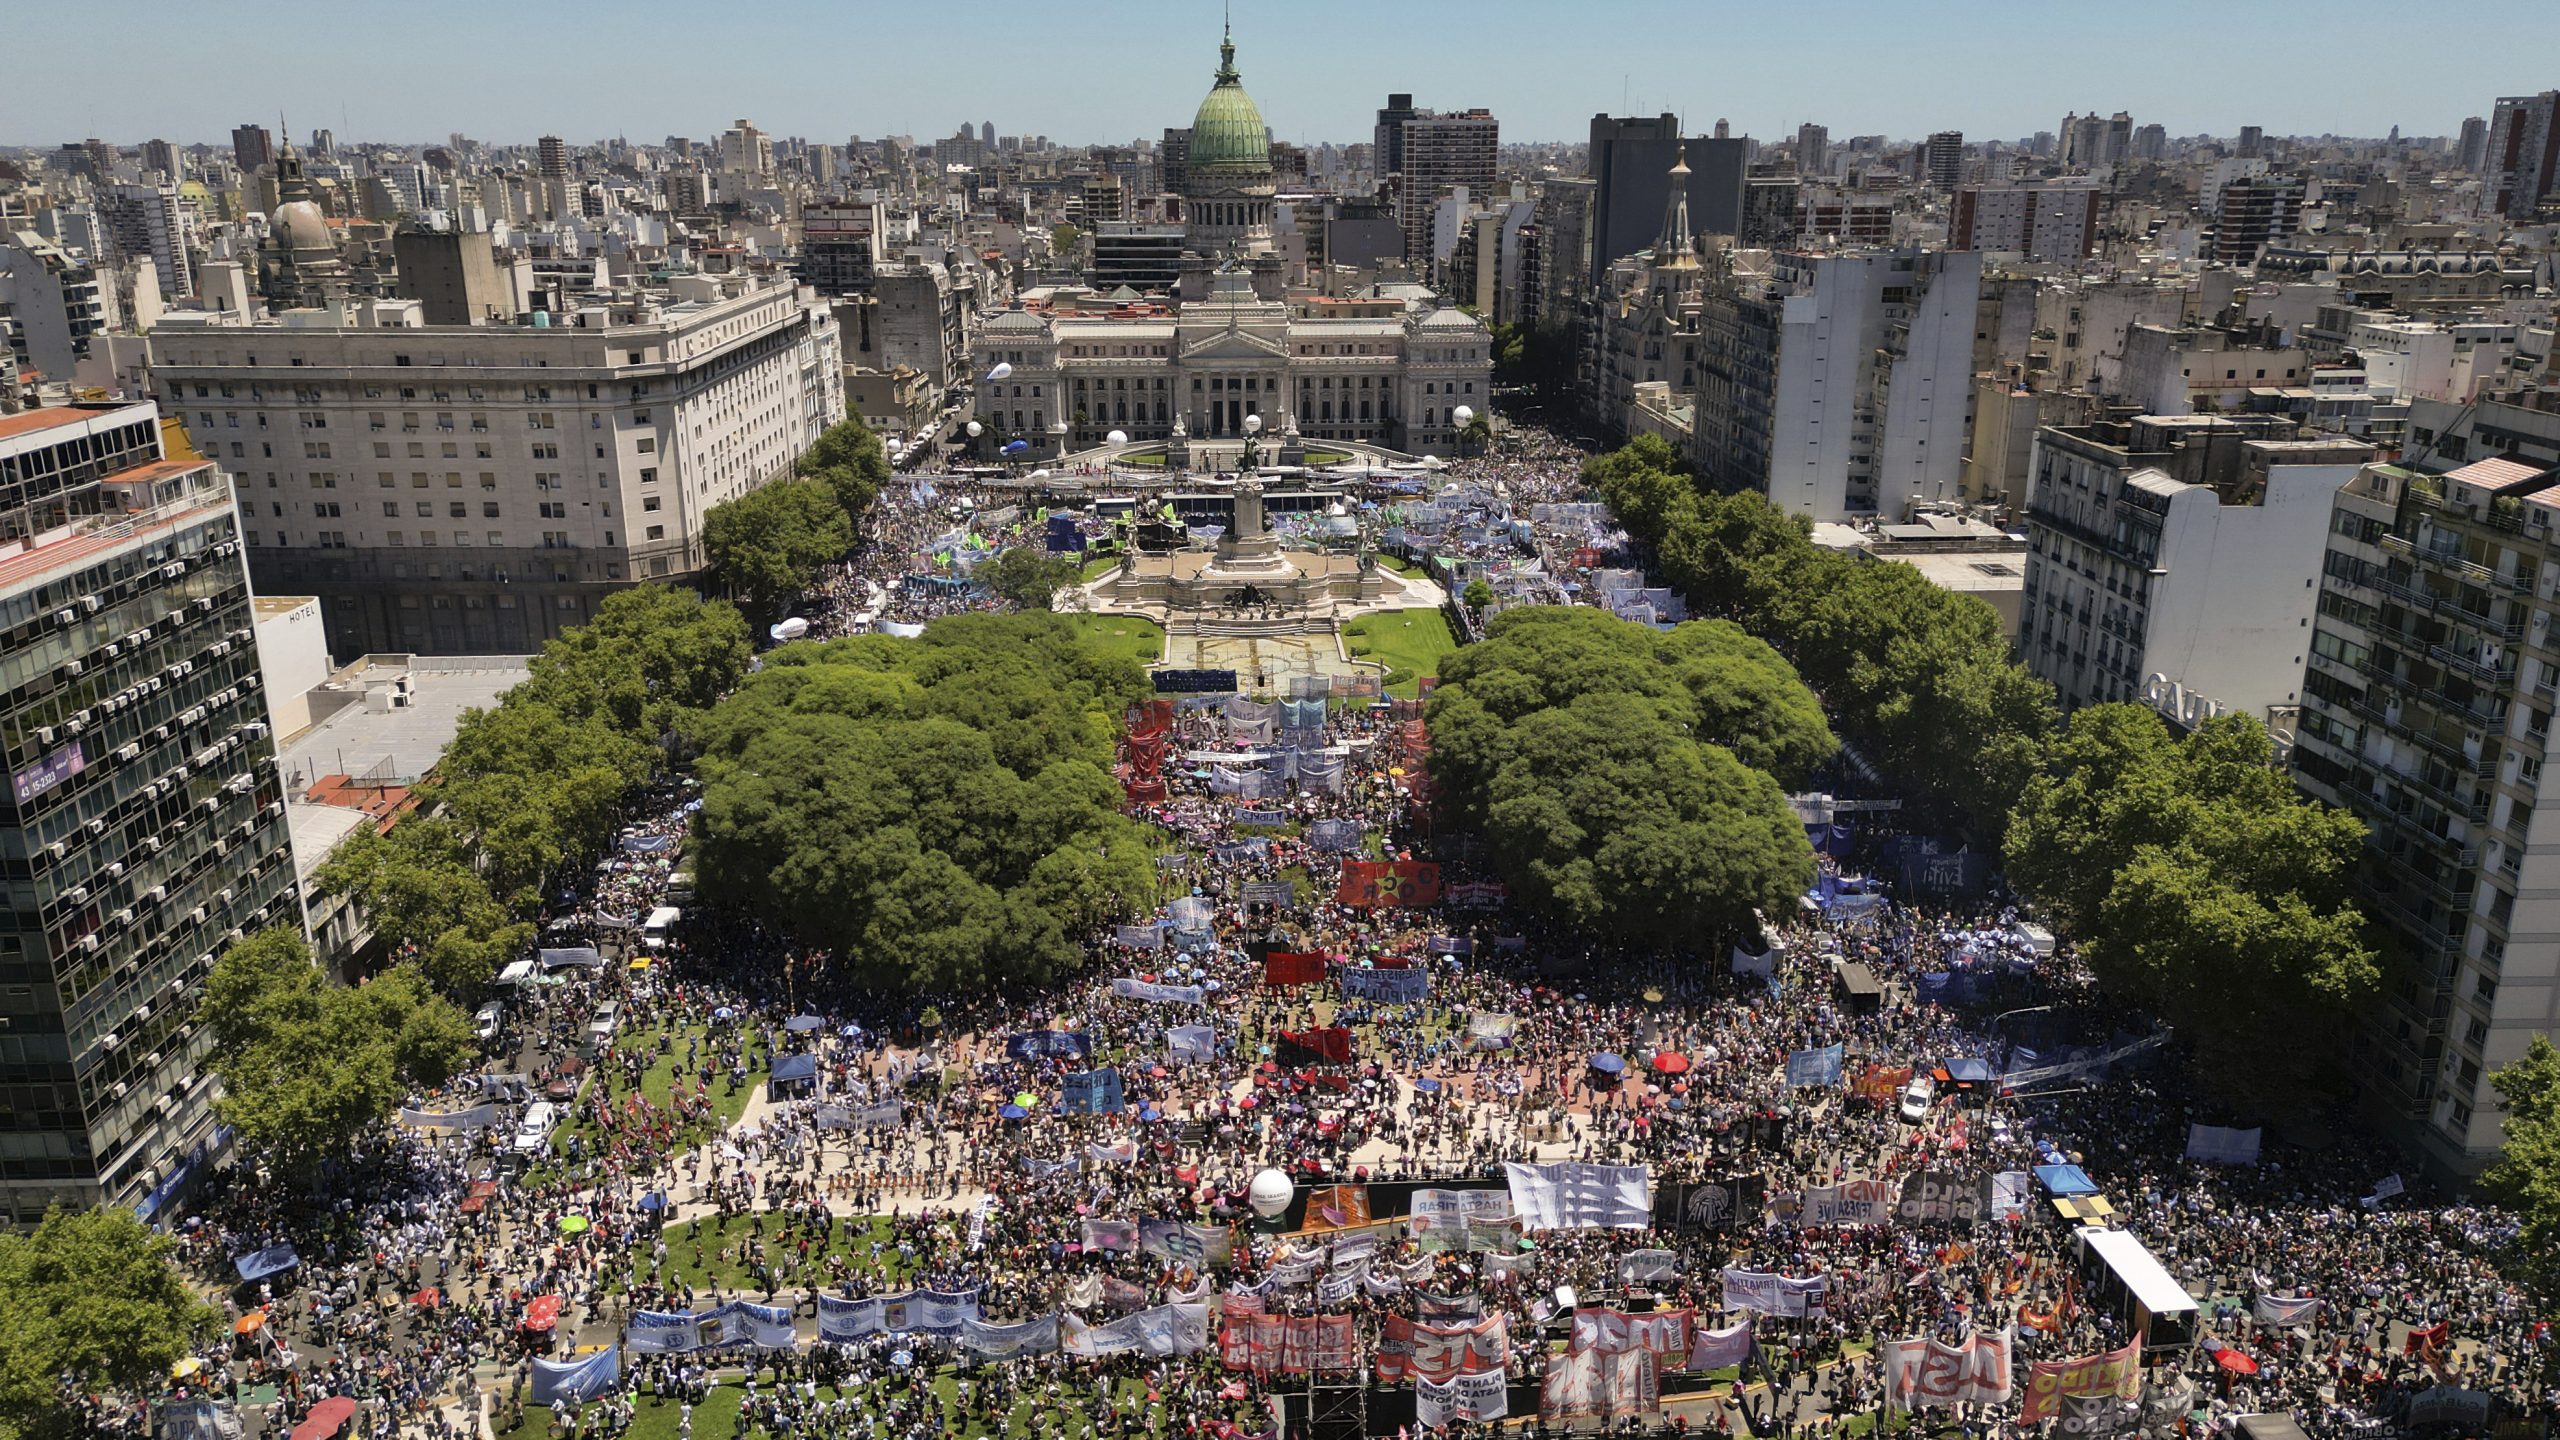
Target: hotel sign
[2188, 709]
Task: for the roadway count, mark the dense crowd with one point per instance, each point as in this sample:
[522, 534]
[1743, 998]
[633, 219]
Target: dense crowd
[933, 1148]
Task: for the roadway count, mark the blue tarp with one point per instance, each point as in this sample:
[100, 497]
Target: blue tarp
[647, 844]
[795, 1067]
[259, 1264]
[1966, 1070]
[592, 1378]
[2065, 1181]
[582, 956]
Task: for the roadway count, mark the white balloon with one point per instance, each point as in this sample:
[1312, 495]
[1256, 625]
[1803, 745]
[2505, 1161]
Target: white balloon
[976, 429]
[1117, 437]
[1462, 415]
[1270, 1193]
[1003, 368]
[1039, 474]
[1253, 424]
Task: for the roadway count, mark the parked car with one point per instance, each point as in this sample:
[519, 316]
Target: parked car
[488, 1021]
[1917, 1097]
[562, 1081]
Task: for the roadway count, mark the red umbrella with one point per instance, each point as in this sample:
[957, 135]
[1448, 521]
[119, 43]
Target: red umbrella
[1671, 1062]
[427, 1299]
[542, 1313]
[2235, 1362]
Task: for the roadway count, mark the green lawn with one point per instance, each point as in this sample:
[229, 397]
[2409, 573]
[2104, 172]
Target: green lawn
[1409, 642]
[1101, 565]
[705, 1253]
[1327, 457]
[1402, 566]
[1140, 640]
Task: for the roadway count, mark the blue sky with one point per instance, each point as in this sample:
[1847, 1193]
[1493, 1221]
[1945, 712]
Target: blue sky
[129, 70]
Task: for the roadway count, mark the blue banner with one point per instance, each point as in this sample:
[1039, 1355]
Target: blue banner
[1387, 987]
[1815, 1067]
[1040, 1044]
[592, 1378]
[1092, 1092]
[1261, 817]
[1194, 682]
[274, 1260]
[1191, 1042]
[1334, 837]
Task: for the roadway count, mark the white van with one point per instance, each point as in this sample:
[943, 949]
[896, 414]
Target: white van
[661, 922]
[534, 1131]
[601, 1025]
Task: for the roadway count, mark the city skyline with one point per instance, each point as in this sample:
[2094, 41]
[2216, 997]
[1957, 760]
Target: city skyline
[780, 64]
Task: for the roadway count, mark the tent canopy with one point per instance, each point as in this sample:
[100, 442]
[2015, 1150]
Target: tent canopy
[795, 1067]
[326, 1419]
[583, 957]
[2064, 1181]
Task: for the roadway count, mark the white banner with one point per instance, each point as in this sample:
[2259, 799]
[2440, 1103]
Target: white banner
[2287, 1310]
[1715, 1349]
[1128, 988]
[1929, 1375]
[1763, 1293]
[1475, 1398]
[1573, 1195]
[1165, 1330]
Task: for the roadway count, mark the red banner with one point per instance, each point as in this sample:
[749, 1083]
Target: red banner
[2116, 1372]
[1881, 1083]
[1151, 717]
[1667, 1333]
[1146, 792]
[1328, 1046]
[1410, 1349]
[1287, 1344]
[1293, 967]
[1371, 884]
[1146, 752]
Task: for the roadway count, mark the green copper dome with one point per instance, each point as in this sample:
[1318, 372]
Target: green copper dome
[1227, 136]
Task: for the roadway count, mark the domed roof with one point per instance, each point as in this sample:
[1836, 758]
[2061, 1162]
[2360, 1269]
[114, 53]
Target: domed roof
[300, 226]
[1227, 137]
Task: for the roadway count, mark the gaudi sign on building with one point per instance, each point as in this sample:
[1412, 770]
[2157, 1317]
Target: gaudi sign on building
[2187, 709]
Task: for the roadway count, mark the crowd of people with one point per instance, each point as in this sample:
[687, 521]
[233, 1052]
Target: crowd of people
[959, 1145]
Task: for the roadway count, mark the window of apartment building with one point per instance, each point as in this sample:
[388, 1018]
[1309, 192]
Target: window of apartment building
[497, 538]
[649, 476]
[542, 420]
[462, 538]
[649, 503]
[395, 537]
[488, 509]
[457, 509]
[657, 532]
[425, 508]
[555, 510]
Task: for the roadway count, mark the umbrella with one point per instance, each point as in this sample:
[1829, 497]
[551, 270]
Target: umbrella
[654, 1200]
[1427, 1086]
[1248, 1102]
[1671, 1062]
[248, 1324]
[800, 1024]
[1014, 1112]
[427, 1299]
[1607, 1063]
[1025, 1099]
[723, 1013]
[849, 1032]
[186, 1367]
[904, 1358]
[575, 1225]
[2235, 1362]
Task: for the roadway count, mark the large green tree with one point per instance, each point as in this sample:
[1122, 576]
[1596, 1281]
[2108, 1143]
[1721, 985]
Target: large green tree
[939, 813]
[2526, 1177]
[1029, 577]
[1616, 771]
[90, 1303]
[2202, 886]
[424, 899]
[851, 462]
[767, 545]
[307, 1064]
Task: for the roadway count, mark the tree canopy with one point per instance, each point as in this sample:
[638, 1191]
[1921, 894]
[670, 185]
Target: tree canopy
[938, 812]
[2202, 886]
[536, 782]
[1617, 772]
[90, 1302]
[1029, 577]
[2526, 1177]
[1919, 674]
[767, 545]
[307, 1064]
[850, 461]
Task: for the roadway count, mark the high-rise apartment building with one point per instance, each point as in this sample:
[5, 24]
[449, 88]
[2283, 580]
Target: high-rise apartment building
[252, 148]
[479, 489]
[143, 223]
[1838, 385]
[1813, 149]
[1942, 161]
[2471, 151]
[161, 158]
[2251, 213]
[552, 154]
[840, 246]
[2427, 712]
[2040, 221]
[2253, 142]
[2170, 550]
[2151, 142]
[1442, 152]
[746, 152]
[145, 824]
[2524, 154]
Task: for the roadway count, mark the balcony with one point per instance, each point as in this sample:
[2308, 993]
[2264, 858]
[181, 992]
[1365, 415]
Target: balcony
[2501, 675]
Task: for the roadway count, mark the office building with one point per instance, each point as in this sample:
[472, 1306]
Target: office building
[2471, 150]
[1630, 158]
[2427, 712]
[2523, 155]
[50, 304]
[1942, 161]
[1440, 153]
[1144, 258]
[1386, 144]
[1839, 385]
[479, 489]
[252, 148]
[146, 828]
[1173, 161]
[2171, 551]
[2041, 222]
[454, 276]
[160, 158]
[553, 153]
